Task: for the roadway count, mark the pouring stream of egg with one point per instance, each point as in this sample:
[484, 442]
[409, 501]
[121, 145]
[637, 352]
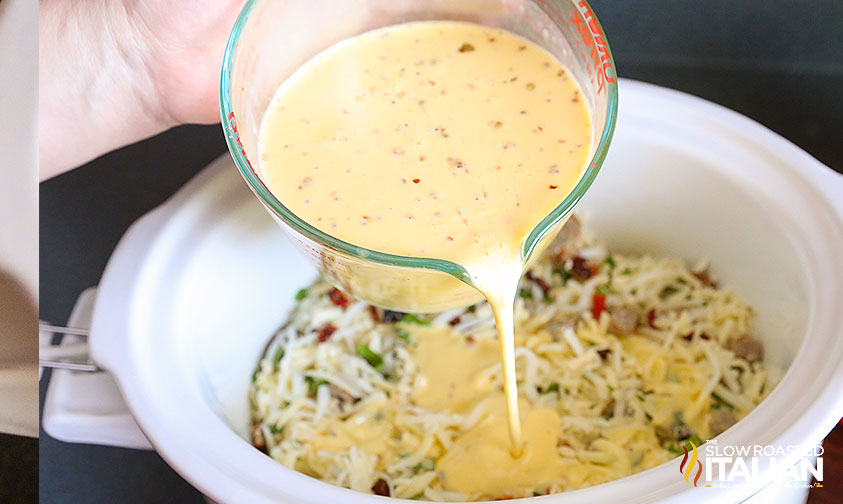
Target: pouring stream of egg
[436, 139]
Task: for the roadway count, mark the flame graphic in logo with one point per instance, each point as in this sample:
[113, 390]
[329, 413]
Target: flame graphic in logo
[690, 468]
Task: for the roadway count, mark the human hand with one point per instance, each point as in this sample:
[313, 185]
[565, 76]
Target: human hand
[113, 72]
[183, 45]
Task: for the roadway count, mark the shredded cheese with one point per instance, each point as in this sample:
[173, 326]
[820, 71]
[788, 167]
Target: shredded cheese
[625, 402]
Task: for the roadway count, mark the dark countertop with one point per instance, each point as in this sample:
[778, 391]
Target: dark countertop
[18, 469]
[776, 61]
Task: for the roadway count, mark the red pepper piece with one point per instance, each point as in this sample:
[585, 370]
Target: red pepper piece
[651, 318]
[538, 281]
[598, 305]
[325, 332]
[339, 299]
[580, 270]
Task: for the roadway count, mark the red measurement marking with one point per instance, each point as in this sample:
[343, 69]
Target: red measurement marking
[232, 124]
[598, 50]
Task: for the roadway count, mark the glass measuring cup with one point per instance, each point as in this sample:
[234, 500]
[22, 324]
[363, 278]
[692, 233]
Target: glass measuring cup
[270, 40]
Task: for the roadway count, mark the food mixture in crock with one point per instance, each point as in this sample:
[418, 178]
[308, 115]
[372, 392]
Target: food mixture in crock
[621, 360]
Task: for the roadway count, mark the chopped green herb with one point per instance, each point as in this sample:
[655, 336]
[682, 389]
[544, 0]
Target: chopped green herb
[720, 403]
[374, 360]
[637, 460]
[427, 464]
[276, 429]
[681, 280]
[379, 416]
[403, 334]
[301, 294]
[626, 271]
[255, 374]
[314, 384]
[276, 359]
[610, 261]
[648, 416]
[603, 289]
[562, 272]
[552, 387]
[640, 396]
[668, 291]
[677, 450]
[672, 448]
[633, 291]
[738, 369]
[548, 300]
[417, 496]
[611, 388]
[525, 293]
[678, 416]
[414, 319]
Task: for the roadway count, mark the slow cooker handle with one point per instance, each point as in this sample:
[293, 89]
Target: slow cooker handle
[84, 407]
[70, 356]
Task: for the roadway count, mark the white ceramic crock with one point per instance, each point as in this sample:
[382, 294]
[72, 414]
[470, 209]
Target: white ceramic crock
[196, 287]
